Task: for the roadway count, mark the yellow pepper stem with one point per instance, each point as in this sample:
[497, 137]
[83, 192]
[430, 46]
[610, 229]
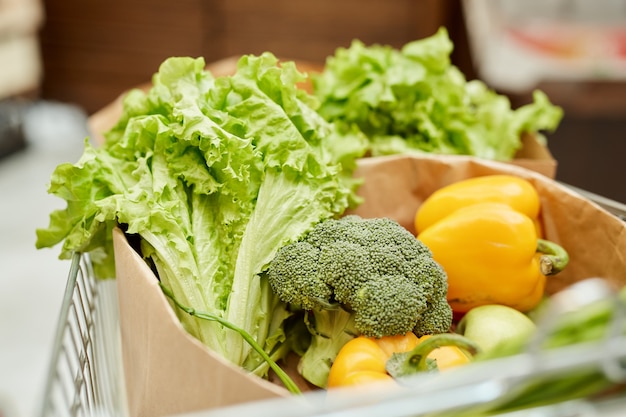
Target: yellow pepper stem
[403, 364]
[554, 258]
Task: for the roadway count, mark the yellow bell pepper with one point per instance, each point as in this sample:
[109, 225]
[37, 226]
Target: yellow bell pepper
[362, 359]
[447, 356]
[514, 191]
[365, 360]
[492, 255]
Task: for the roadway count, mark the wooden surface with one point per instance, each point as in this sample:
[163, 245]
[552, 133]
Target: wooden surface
[93, 51]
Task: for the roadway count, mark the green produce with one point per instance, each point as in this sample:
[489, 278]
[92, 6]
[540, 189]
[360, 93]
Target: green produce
[359, 276]
[588, 327]
[414, 100]
[213, 175]
[588, 323]
[493, 324]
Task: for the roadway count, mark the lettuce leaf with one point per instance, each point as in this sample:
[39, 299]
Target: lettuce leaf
[414, 100]
[213, 175]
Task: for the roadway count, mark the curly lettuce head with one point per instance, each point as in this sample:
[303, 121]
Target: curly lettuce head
[414, 100]
[214, 175]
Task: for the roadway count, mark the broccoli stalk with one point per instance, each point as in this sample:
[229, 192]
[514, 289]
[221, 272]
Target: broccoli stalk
[356, 276]
[330, 329]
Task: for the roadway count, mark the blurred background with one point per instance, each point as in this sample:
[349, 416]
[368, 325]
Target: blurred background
[86, 54]
[63, 60]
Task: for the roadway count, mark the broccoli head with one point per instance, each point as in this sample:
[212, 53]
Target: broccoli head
[373, 270]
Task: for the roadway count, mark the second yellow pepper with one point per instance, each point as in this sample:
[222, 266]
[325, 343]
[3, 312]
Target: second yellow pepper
[492, 255]
[365, 360]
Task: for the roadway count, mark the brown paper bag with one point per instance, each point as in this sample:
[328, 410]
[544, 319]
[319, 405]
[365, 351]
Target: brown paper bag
[167, 371]
[595, 239]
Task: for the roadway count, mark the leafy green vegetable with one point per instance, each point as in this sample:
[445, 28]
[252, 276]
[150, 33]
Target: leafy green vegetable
[214, 175]
[414, 100]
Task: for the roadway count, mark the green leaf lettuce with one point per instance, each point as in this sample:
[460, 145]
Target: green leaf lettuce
[213, 175]
[414, 100]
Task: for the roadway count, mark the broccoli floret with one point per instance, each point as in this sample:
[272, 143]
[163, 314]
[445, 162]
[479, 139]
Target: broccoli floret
[359, 276]
[387, 305]
[294, 276]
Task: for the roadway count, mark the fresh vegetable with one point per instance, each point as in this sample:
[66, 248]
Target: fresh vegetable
[452, 351]
[213, 175]
[414, 100]
[576, 331]
[490, 254]
[364, 359]
[359, 276]
[433, 352]
[491, 324]
[517, 192]
[561, 324]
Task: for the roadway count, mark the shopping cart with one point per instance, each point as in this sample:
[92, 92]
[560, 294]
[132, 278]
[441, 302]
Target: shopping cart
[86, 372]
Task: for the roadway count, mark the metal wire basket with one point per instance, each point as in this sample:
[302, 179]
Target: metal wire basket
[85, 376]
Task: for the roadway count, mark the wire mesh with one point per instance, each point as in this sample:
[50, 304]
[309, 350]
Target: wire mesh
[85, 374]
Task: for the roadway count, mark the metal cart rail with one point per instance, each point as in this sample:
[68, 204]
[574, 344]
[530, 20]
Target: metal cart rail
[85, 377]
